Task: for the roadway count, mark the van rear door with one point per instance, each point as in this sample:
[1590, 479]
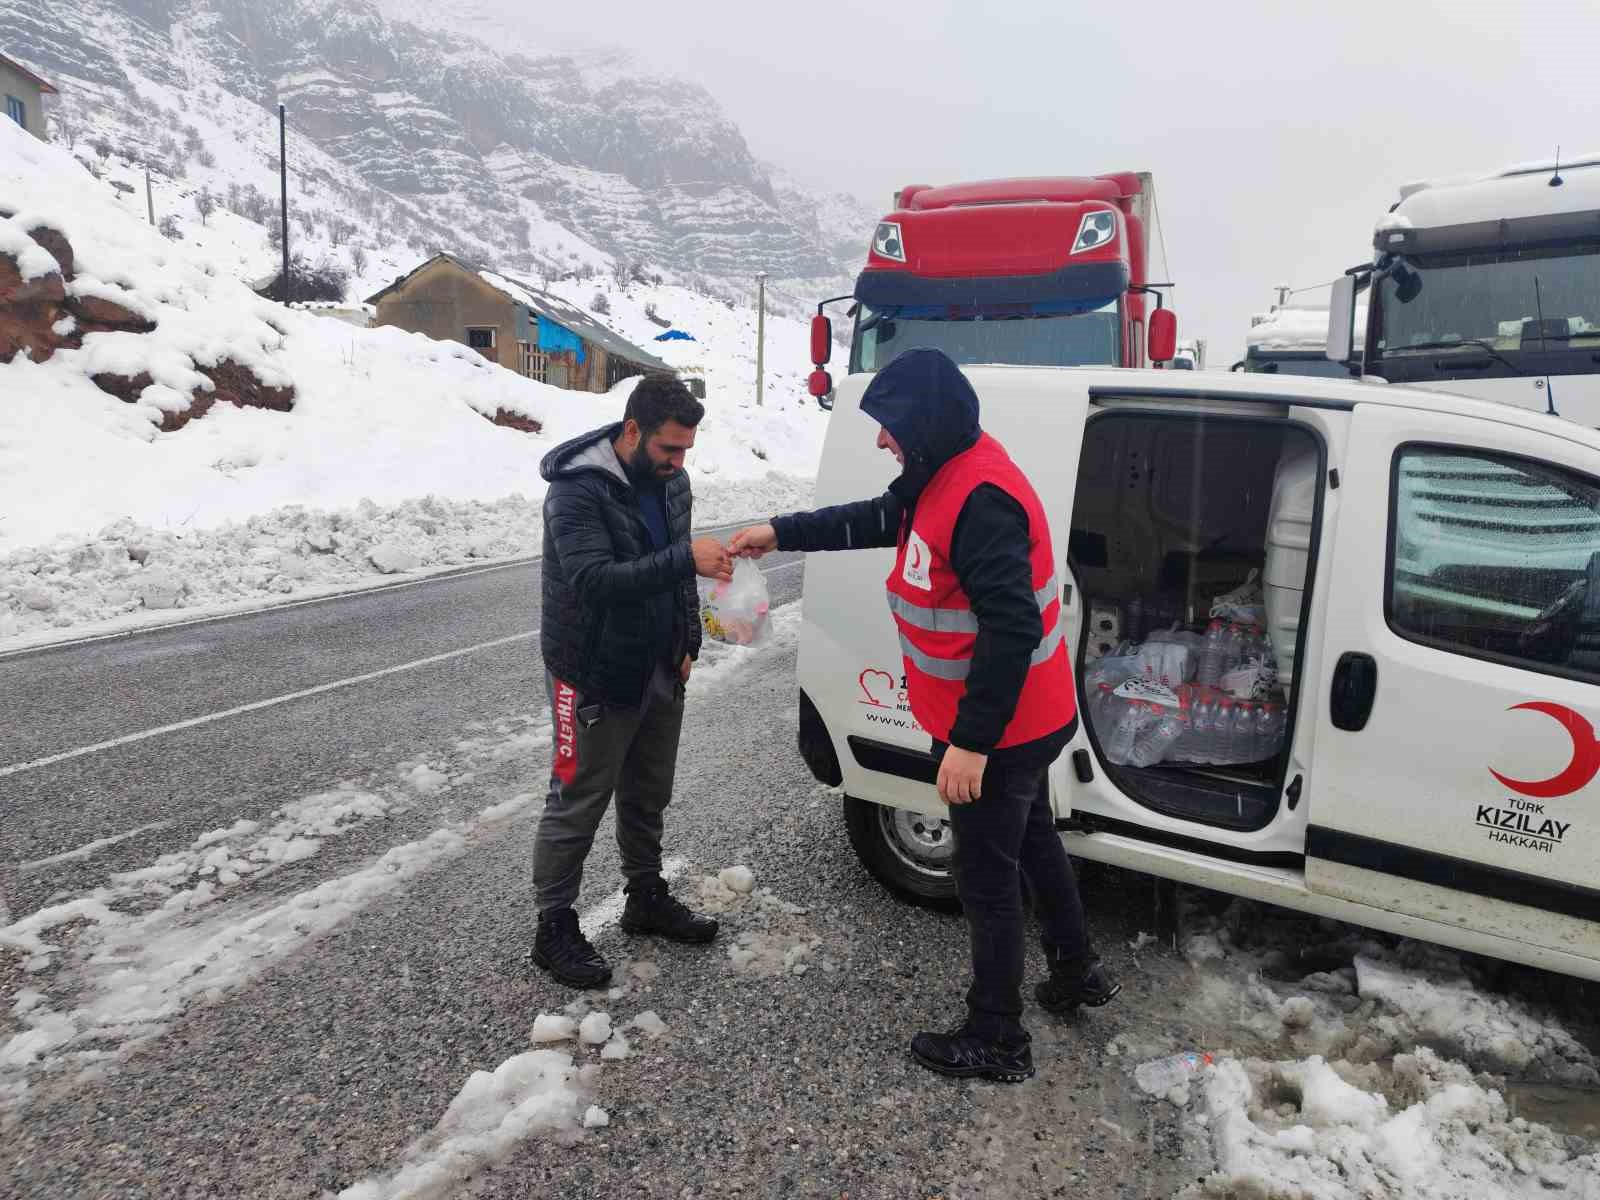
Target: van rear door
[1456, 746]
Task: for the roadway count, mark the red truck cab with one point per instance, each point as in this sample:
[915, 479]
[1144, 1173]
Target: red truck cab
[1039, 272]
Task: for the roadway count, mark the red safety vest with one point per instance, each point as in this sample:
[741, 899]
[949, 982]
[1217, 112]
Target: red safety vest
[937, 627]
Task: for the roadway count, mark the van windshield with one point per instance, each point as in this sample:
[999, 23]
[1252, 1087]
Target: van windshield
[1039, 335]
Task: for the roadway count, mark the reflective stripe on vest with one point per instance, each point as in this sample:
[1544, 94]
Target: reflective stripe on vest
[958, 668]
[956, 620]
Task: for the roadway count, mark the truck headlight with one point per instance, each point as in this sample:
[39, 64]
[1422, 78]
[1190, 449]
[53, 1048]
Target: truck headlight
[1096, 229]
[887, 242]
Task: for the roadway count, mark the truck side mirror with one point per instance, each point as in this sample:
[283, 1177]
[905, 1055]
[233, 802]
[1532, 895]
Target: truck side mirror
[1163, 335]
[821, 340]
[819, 383]
[1341, 319]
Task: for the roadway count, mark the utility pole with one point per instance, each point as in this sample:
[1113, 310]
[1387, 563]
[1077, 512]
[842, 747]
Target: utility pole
[149, 199]
[283, 198]
[761, 335]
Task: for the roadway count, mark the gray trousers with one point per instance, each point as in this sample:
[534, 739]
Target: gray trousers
[598, 750]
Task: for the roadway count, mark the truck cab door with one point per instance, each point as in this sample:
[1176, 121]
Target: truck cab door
[1455, 742]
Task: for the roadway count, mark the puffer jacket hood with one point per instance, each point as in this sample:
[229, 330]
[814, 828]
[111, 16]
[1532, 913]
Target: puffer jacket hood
[926, 403]
[590, 451]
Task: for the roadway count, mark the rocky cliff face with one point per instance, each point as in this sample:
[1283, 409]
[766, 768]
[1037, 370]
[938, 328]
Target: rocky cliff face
[641, 168]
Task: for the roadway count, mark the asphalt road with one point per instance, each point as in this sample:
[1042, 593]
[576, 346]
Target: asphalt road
[346, 1028]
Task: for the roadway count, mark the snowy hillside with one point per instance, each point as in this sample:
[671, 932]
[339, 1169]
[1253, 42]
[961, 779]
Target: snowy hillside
[107, 507]
[406, 141]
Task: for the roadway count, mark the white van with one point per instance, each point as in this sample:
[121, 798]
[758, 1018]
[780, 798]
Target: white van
[1430, 621]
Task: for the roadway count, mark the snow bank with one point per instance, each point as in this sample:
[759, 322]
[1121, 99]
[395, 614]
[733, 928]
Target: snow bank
[1377, 1067]
[386, 457]
[1312, 1130]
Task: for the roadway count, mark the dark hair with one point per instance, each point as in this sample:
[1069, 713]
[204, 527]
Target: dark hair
[657, 399]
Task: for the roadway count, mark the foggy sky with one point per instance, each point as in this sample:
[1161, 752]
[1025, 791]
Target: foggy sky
[1278, 133]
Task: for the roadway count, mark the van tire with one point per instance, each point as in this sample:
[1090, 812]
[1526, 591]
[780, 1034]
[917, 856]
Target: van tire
[872, 835]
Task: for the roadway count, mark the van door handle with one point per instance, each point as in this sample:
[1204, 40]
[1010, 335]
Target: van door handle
[1355, 685]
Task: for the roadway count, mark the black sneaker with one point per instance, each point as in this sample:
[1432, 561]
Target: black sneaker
[561, 949]
[651, 908]
[965, 1055]
[1070, 986]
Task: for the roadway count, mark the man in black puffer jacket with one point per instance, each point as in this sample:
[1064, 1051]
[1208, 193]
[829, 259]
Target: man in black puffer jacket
[620, 633]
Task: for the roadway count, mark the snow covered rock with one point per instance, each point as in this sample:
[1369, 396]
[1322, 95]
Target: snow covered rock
[159, 588]
[392, 558]
[738, 879]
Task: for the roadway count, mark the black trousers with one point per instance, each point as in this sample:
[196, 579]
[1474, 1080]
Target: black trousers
[1007, 833]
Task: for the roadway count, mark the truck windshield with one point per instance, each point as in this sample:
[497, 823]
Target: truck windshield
[1475, 313]
[1295, 364]
[1041, 335]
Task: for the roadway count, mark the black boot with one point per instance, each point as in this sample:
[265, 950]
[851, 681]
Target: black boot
[561, 949]
[653, 909]
[1072, 984]
[966, 1055]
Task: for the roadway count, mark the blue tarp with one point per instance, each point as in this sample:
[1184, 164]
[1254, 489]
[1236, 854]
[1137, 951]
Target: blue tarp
[675, 335]
[555, 338]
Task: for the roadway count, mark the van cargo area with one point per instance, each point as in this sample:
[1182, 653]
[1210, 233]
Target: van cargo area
[1190, 540]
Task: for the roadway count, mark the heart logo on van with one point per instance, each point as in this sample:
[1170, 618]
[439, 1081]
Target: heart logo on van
[1578, 773]
[877, 687]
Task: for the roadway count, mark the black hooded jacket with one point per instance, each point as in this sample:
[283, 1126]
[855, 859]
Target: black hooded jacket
[926, 403]
[599, 629]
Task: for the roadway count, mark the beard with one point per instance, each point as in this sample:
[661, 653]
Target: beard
[643, 469]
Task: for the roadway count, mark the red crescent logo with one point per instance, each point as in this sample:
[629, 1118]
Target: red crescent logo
[916, 557]
[1585, 764]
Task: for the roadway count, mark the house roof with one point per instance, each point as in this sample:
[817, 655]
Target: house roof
[44, 84]
[542, 303]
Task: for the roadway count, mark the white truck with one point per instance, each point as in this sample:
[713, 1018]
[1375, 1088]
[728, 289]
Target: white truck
[1428, 623]
[1488, 287]
[1293, 340]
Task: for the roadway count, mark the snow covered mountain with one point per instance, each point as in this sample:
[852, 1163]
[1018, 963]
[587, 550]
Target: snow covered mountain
[421, 139]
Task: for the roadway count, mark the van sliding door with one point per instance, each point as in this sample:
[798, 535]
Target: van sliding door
[1456, 746]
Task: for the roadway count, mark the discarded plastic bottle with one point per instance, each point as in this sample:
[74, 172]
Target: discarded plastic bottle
[1160, 1075]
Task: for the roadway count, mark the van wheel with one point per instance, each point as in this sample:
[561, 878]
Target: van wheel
[907, 852]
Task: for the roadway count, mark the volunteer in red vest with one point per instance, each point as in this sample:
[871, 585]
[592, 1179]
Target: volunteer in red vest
[975, 595]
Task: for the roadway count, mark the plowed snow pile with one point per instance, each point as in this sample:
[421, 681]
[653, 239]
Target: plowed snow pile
[389, 460]
[1370, 1067]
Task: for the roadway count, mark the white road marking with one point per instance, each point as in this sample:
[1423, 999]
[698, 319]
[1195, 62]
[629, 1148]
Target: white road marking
[257, 706]
[87, 849]
[609, 909]
[287, 697]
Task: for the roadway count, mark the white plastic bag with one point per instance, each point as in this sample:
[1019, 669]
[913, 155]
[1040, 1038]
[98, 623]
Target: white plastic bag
[1245, 605]
[736, 612]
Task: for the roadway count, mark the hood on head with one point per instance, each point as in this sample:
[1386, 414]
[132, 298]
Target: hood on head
[926, 403]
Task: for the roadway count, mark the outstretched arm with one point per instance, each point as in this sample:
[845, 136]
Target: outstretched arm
[864, 525]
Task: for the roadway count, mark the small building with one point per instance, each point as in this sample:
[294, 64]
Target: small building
[24, 94]
[511, 323]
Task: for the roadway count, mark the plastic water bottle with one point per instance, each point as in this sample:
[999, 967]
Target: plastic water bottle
[1233, 647]
[1160, 1075]
[1224, 738]
[1244, 732]
[1269, 731]
[1210, 669]
[1127, 717]
[1202, 728]
[1156, 737]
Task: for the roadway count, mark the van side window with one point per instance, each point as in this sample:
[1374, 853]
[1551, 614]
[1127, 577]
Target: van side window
[1496, 557]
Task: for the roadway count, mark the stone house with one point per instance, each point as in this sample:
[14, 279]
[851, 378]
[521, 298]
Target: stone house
[511, 323]
[24, 94]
